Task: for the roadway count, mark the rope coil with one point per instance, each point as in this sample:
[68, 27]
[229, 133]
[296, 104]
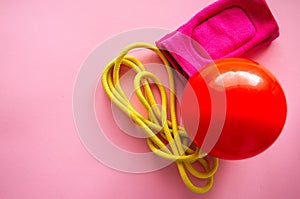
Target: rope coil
[158, 128]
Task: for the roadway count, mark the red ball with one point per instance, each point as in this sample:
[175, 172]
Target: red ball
[235, 108]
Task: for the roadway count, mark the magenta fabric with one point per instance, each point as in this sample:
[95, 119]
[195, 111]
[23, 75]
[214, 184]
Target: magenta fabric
[226, 28]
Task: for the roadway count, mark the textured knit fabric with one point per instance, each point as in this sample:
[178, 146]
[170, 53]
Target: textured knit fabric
[226, 28]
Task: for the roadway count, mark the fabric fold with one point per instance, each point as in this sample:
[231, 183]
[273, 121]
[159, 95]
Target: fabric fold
[226, 28]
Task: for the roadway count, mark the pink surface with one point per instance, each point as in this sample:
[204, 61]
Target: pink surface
[41, 156]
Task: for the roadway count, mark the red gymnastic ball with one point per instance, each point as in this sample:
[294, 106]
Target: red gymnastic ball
[254, 113]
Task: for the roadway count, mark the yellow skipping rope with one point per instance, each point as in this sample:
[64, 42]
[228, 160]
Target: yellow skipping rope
[158, 128]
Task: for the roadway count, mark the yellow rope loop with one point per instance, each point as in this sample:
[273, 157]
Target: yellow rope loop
[165, 137]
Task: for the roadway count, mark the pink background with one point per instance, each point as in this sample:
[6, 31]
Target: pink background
[43, 44]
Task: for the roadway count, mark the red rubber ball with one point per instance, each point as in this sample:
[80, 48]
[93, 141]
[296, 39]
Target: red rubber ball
[253, 113]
